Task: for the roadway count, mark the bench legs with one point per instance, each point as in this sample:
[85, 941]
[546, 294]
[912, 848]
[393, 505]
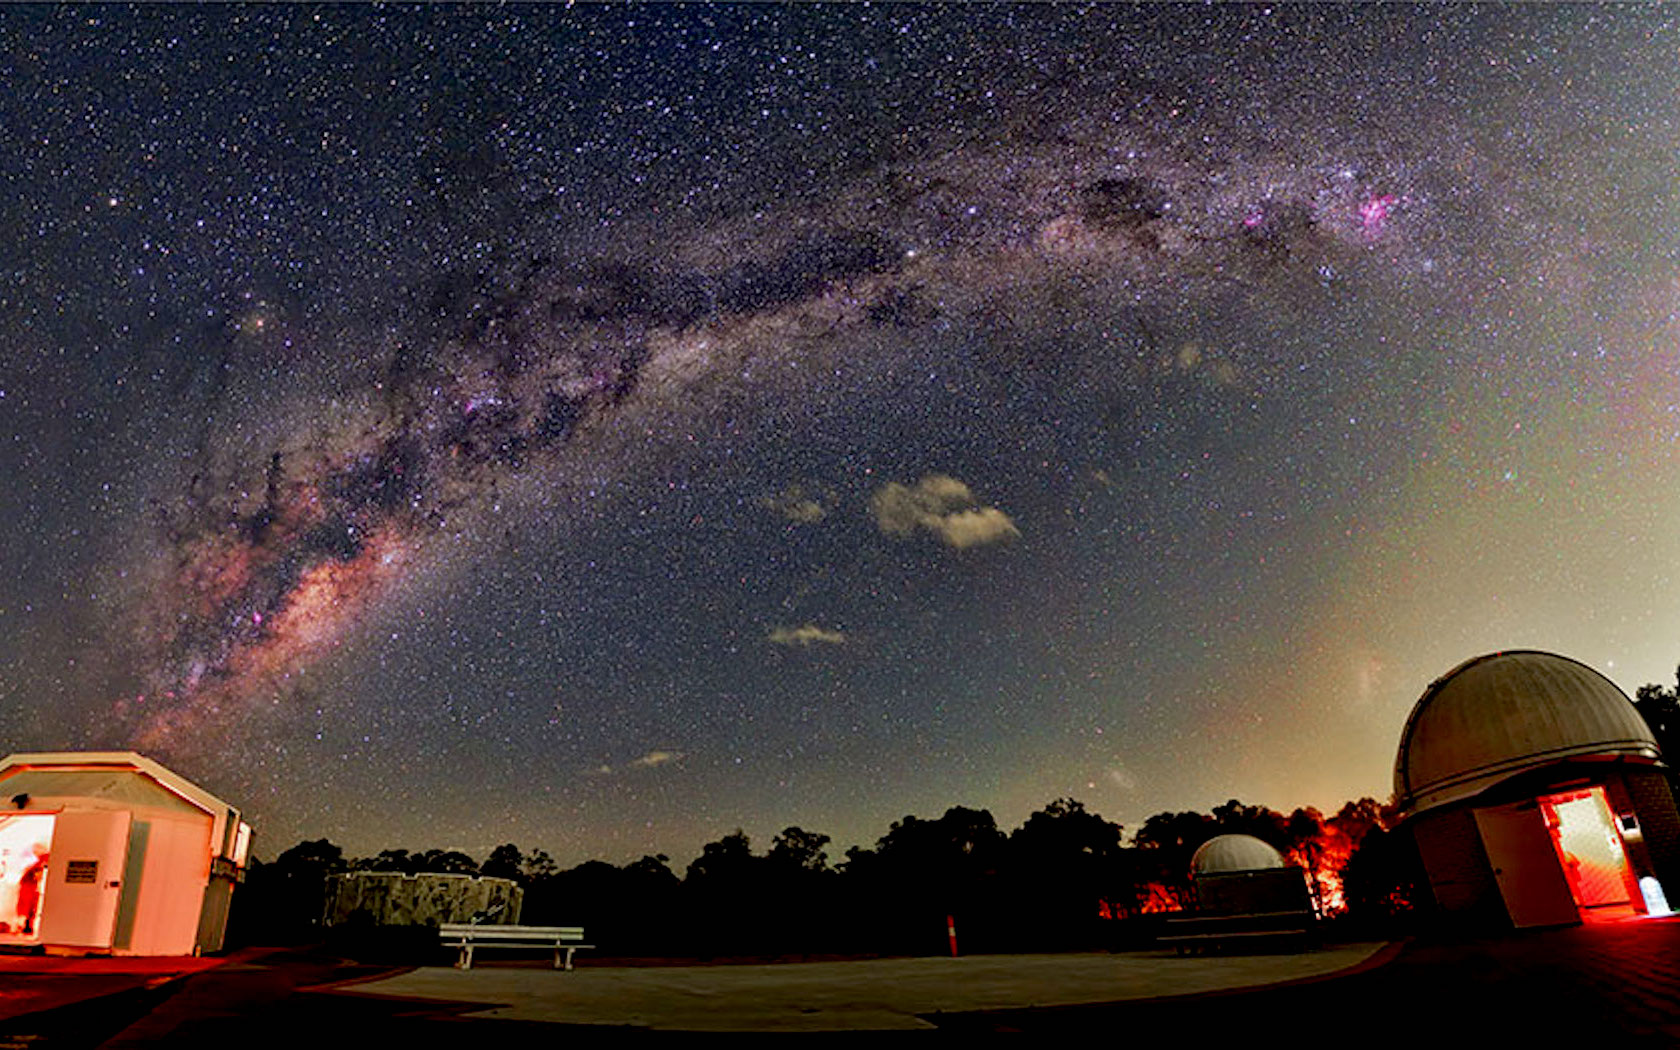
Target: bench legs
[562, 954]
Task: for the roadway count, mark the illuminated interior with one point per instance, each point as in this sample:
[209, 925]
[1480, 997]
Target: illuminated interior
[1590, 848]
[25, 842]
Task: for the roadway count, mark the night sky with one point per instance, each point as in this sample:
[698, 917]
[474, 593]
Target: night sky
[598, 428]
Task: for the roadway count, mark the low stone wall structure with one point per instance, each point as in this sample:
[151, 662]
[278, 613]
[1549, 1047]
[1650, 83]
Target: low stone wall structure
[391, 898]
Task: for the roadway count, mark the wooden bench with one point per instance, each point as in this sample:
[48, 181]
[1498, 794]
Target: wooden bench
[563, 939]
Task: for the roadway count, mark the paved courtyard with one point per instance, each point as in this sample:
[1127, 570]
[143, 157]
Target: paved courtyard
[878, 994]
[1576, 985]
[1538, 988]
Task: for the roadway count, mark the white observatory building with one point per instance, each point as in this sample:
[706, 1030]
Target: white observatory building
[1240, 875]
[1231, 854]
[109, 853]
[1536, 794]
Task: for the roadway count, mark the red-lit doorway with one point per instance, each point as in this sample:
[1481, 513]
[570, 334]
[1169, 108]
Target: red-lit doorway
[25, 842]
[1590, 849]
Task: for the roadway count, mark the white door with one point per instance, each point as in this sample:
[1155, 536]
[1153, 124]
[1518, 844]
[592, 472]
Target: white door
[1530, 878]
[1587, 841]
[84, 878]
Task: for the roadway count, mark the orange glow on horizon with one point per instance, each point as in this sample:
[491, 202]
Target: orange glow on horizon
[1323, 859]
[1158, 899]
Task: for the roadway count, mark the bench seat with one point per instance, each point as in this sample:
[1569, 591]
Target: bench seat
[467, 937]
[1192, 932]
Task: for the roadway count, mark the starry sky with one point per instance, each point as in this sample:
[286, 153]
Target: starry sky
[600, 428]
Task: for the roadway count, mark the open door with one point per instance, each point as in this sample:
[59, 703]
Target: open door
[84, 878]
[1526, 866]
[25, 848]
[1589, 848]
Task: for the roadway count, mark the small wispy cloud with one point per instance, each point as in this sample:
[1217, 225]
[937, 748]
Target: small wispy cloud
[806, 635]
[655, 759]
[944, 506]
[652, 760]
[1121, 777]
[797, 505]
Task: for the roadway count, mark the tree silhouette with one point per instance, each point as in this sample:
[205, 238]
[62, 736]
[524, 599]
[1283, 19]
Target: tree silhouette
[538, 864]
[724, 900]
[1384, 882]
[796, 849]
[963, 840]
[1177, 833]
[1165, 843]
[655, 870]
[432, 861]
[1065, 829]
[729, 859]
[504, 862]
[386, 860]
[626, 910]
[1354, 818]
[284, 901]
[444, 862]
[1067, 868]
[317, 857]
[1661, 710]
[1267, 825]
[923, 870]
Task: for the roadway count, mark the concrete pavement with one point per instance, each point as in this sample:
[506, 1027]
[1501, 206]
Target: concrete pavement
[875, 994]
[1541, 988]
[1577, 985]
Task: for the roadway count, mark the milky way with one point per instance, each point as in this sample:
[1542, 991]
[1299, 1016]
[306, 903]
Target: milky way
[1123, 399]
[271, 570]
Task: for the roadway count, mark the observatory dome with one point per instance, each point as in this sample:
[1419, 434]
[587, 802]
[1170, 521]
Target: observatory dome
[1501, 714]
[1225, 854]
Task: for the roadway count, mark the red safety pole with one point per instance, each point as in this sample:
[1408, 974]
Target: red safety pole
[951, 932]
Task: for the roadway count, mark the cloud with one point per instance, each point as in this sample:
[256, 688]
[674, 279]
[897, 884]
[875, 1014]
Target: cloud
[972, 528]
[655, 759]
[1121, 777]
[809, 634]
[943, 506]
[652, 760]
[796, 505]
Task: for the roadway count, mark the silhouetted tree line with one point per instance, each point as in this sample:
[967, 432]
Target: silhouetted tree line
[1063, 880]
[1661, 710]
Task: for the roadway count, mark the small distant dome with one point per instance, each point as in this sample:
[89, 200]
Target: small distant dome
[1224, 854]
[1504, 713]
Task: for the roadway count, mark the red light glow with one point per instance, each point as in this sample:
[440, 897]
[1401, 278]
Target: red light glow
[1590, 850]
[1155, 898]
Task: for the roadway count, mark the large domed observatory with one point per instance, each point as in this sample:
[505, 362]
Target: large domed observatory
[1536, 794]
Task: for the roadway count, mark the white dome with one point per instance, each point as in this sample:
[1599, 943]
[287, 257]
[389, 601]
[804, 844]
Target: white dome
[1503, 713]
[1224, 854]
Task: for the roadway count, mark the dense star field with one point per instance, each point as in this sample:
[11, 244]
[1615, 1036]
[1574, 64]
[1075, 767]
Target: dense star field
[599, 428]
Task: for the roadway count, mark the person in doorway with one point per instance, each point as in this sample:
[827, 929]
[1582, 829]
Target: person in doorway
[8, 890]
[29, 889]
